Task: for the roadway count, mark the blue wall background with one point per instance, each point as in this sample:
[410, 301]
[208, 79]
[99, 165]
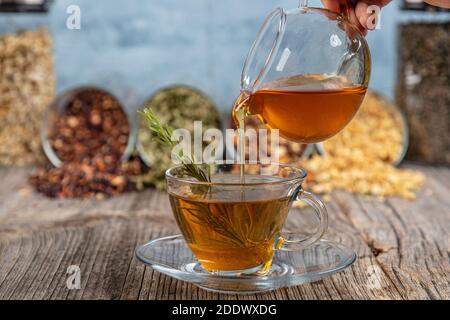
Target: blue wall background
[134, 47]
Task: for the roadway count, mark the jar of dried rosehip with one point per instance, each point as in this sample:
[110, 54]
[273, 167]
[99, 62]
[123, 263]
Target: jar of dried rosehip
[87, 123]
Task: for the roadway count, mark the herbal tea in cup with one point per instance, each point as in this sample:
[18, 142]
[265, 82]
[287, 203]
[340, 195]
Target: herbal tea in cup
[234, 228]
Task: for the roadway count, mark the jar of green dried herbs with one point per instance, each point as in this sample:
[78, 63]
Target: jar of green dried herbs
[179, 107]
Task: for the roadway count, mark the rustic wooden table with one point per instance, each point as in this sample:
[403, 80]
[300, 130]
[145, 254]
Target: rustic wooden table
[405, 243]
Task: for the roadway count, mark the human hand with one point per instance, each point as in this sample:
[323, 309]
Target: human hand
[358, 11]
[439, 3]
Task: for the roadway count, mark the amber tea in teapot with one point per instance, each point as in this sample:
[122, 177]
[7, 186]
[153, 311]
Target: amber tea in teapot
[305, 109]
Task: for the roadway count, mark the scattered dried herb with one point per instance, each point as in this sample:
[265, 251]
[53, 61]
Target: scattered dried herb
[90, 178]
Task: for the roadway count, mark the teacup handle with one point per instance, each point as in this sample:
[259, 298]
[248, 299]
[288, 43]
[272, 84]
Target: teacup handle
[288, 241]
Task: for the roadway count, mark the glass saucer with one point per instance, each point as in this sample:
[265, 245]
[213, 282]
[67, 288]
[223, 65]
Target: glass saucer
[172, 256]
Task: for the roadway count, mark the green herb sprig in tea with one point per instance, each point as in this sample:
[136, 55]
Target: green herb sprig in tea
[163, 134]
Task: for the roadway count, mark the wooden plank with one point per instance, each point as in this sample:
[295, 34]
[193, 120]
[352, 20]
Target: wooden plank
[409, 239]
[103, 248]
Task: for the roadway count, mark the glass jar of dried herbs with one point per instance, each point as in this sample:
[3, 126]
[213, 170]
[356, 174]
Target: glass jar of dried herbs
[84, 122]
[88, 138]
[27, 86]
[179, 107]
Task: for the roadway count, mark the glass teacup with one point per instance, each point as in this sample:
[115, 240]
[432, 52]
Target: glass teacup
[235, 228]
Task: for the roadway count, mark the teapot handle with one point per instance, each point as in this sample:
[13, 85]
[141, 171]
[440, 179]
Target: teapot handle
[344, 6]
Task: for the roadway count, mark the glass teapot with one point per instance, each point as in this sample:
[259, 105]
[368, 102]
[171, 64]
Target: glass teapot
[306, 74]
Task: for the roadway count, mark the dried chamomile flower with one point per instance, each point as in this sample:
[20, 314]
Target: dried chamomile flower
[360, 159]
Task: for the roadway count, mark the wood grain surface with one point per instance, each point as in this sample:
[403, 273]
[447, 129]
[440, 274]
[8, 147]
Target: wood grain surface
[404, 245]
